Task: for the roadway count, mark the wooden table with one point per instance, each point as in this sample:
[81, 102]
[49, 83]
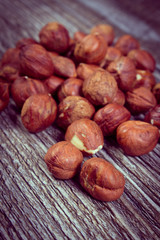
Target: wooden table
[33, 204]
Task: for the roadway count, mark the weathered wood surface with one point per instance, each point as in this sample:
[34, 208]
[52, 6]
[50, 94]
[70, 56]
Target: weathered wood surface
[34, 205]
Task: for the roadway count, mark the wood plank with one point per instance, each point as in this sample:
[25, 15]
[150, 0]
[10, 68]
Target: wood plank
[35, 205]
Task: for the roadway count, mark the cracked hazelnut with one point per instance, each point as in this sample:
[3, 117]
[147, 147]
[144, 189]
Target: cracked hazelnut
[86, 135]
[35, 62]
[142, 59]
[100, 88]
[140, 100]
[91, 49]
[136, 137]
[63, 160]
[110, 117]
[153, 116]
[4, 95]
[54, 37]
[101, 179]
[124, 72]
[63, 66]
[144, 78]
[24, 87]
[126, 43]
[106, 31]
[73, 108]
[38, 112]
[70, 87]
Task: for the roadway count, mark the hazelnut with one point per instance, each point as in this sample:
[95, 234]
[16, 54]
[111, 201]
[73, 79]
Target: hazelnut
[54, 37]
[136, 137]
[100, 88]
[112, 54]
[9, 72]
[153, 116]
[142, 59]
[70, 87]
[91, 49]
[110, 117]
[85, 70]
[11, 57]
[126, 43]
[156, 92]
[124, 71]
[86, 135]
[140, 100]
[101, 179]
[24, 87]
[53, 83]
[63, 160]
[73, 108]
[144, 78]
[4, 95]
[119, 98]
[106, 31]
[38, 112]
[35, 62]
[63, 66]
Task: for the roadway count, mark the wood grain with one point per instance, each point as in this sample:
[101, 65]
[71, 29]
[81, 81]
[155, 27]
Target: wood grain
[33, 204]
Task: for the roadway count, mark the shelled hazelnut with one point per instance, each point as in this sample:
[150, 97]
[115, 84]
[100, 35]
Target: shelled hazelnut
[106, 31]
[38, 112]
[144, 78]
[126, 43]
[85, 70]
[4, 95]
[100, 88]
[86, 135]
[112, 54]
[153, 116]
[156, 92]
[110, 117]
[53, 83]
[73, 108]
[136, 137]
[101, 179]
[63, 160]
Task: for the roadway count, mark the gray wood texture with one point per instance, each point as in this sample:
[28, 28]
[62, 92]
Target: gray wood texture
[35, 205]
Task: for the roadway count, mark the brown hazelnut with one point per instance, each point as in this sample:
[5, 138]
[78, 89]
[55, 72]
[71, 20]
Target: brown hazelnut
[25, 41]
[38, 112]
[91, 49]
[126, 43]
[142, 59]
[4, 95]
[70, 87]
[112, 54]
[24, 87]
[119, 98]
[11, 57]
[53, 83]
[85, 70]
[73, 108]
[153, 116]
[101, 179]
[137, 137]
[35, 62]
[86, 135]
[54, 37]
[156, 92]
[9, 72]
[63, 66]
[144, 78]
[106, 31]
[124, 71]
[100, 88]
[110, 117]
[63, 160]
[140, 100]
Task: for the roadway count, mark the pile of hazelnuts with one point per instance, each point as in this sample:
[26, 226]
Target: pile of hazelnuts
[92, 88]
